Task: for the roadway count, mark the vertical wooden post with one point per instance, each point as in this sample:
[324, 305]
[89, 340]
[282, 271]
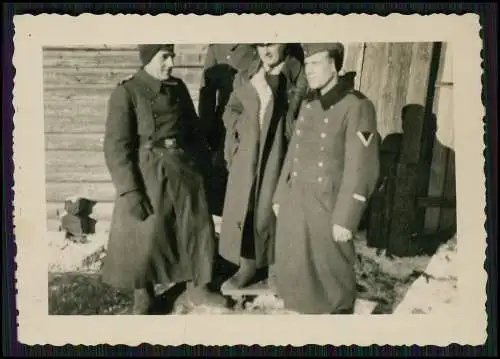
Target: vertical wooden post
[413, 169]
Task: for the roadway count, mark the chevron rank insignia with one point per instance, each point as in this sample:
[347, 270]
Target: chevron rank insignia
[365, 137]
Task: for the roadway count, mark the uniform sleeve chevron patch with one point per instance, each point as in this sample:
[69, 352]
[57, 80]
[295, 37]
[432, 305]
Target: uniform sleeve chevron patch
[365, 137]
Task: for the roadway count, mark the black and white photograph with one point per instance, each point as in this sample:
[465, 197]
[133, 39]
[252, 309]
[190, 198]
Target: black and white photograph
[267, 175]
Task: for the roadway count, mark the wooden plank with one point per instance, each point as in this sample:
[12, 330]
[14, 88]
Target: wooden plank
[74, 141]
[93, 92]
[445, 74]
[353, 51]
[448, 216]
[436, 185]
[352, 57]
[75, 166]
[97, 191]
[80, 110]
[104, 77]
[116, 59]
[444, 112]
[374, 64]
[359, 66]
[443, 107]
[419, 73]
[394, 85]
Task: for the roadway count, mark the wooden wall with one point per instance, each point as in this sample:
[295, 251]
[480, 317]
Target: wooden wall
[78, 81]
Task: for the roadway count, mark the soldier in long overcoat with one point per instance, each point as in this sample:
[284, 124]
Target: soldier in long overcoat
[258, 118]
[222, 63]
[161, 231]
[330, 172]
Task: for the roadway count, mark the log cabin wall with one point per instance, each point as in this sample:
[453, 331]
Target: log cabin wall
[78, 81]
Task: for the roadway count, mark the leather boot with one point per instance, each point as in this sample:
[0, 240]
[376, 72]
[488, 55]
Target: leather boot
[200, 294]
[243, 276]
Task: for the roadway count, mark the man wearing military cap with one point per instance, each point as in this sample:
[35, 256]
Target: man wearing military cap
[161, 231]
[330, 171]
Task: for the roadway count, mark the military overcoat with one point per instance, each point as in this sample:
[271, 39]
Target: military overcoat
[176, 242]
[254, 152]
[331, 169]
[222, 62]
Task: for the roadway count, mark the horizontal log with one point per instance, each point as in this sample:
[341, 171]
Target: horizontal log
[94, 92]
[187, 55]
[105, 77]
[81, 110]
[75, 166]
[74, 141]
[96, 191]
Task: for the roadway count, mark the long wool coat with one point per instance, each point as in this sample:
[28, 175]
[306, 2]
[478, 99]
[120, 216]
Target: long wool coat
[222, 62]
[330, 172]
[177, 242]
[254, 154]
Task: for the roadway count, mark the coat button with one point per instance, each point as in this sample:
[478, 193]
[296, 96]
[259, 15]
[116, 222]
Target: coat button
[320, 164]
[322, 149]
[297, 145]
[294, 174]
[308, 106]
[295, 159]
[298, 132]
[323, 135]
[325, 120]
[320, 179]
[301, 119]
[228, 57]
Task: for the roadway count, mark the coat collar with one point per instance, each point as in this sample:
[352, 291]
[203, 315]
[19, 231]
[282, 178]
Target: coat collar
[154, 84]
[291, 68]
[334, 95]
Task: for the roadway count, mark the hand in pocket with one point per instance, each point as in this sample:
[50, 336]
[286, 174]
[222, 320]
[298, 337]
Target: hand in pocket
[138, 205]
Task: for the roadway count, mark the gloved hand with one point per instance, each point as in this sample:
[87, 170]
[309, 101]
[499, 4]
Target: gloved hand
[138, 205]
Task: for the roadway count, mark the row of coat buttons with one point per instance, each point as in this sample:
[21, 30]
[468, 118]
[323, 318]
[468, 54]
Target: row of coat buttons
[322, 148]
[295, 174]
[299, 132]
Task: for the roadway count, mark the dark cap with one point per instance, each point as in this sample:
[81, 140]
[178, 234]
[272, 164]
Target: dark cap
[334, 48]
[148, 51]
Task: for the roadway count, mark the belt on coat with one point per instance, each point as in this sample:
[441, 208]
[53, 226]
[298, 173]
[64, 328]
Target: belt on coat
[168, 143]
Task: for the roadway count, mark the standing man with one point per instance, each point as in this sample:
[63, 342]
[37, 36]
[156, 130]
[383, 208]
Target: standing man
[331, 170]
[222, 62]
[161, 231]
[258, 120]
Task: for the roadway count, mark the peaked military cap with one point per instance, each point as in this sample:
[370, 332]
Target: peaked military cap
[313, 48]
[336, 48]
[148, 51]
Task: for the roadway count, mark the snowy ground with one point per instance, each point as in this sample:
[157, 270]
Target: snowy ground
[384, 285]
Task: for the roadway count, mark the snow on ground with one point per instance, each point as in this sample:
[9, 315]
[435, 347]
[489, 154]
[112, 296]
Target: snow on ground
[436, 289]
[384, 283]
